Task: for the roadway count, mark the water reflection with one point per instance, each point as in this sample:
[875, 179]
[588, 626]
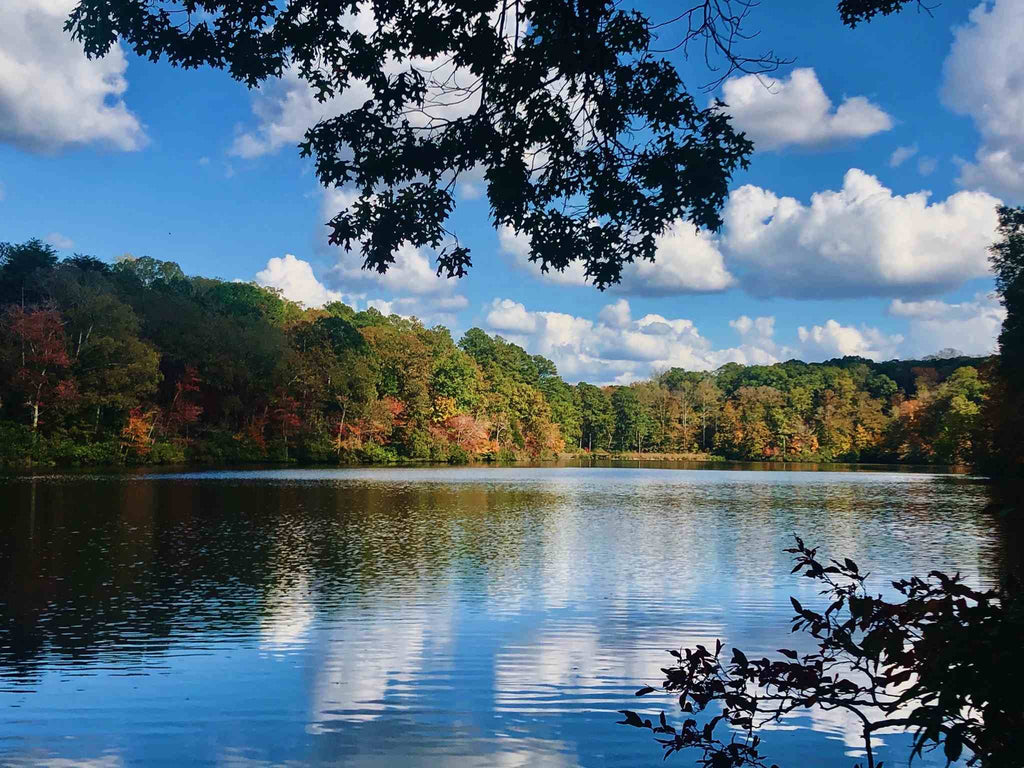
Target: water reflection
[422, 617]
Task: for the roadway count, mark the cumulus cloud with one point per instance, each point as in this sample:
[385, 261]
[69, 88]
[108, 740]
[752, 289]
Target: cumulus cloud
[822, 342]
[57, 240]
[295, 279]
[51, 95]
[796, 111]
[410, 287]
[984, 79]
[971, 326]
[616, 348]
[686, 261]
[516, 247]
[285, 108]
[900, 155]
[861, 240]
[760, 328]
[616, 315]
[429, 310]
[411, 273]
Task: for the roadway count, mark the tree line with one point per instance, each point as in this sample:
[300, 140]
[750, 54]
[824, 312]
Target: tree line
[135, 362]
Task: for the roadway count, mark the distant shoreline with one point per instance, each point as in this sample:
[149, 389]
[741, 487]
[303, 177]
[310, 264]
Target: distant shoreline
[563, 460]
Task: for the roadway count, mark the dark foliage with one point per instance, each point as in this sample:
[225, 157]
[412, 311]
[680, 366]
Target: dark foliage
[854, 12]
[19, 263]
[1004, 415]
[589, 142]
[1008, 265]
[942, 662]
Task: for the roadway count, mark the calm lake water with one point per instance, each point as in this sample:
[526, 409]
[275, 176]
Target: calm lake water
[422, 617]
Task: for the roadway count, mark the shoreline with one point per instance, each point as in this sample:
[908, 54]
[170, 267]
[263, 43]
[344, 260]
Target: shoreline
[563, 460]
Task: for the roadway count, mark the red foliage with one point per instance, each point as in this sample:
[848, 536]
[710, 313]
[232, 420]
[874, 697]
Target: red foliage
[183, 409]
[254, 432]
[285, 412]
[42, 358]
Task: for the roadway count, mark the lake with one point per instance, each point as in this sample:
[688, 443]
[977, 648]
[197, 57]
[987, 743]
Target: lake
[423, 617]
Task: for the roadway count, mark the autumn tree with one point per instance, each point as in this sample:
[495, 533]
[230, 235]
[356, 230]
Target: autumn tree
[116, 371]
[37, 344]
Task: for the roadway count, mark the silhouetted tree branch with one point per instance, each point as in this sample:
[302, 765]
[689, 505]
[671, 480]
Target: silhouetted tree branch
[943, 663]
[588, 141]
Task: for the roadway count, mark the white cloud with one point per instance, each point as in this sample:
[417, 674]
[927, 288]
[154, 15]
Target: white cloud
[970, 326]
[760, 328]
[797, 112]
[57, 240]
[51, 95]
[411, 287]
[926, 165]
[517, 247]
[822, 342]
[616, 315]
[286, 107]
[619, 349]
[686, 261]
[429, 310]
[296, 281]
[984, 78]
[411, 283]
[411, 272]
[861, 240]
[508, 315]
[900, 155]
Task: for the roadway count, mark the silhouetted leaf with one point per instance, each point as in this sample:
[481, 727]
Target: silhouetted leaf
[632, 718]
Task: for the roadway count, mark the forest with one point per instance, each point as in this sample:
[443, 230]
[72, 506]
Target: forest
[134, 362]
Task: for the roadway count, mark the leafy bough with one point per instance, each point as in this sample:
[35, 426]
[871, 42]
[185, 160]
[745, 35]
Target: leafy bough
[943, 663]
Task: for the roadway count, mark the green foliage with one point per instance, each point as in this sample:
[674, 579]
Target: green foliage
[372, 453]
[16, 443]
[157, 367]
[247, 300]
[148, 271]
[20, 268]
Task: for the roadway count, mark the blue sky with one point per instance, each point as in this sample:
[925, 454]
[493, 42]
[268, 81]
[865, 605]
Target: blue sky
[860, 227]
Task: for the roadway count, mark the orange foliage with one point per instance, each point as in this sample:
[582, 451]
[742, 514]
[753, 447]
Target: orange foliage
[137, 434]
